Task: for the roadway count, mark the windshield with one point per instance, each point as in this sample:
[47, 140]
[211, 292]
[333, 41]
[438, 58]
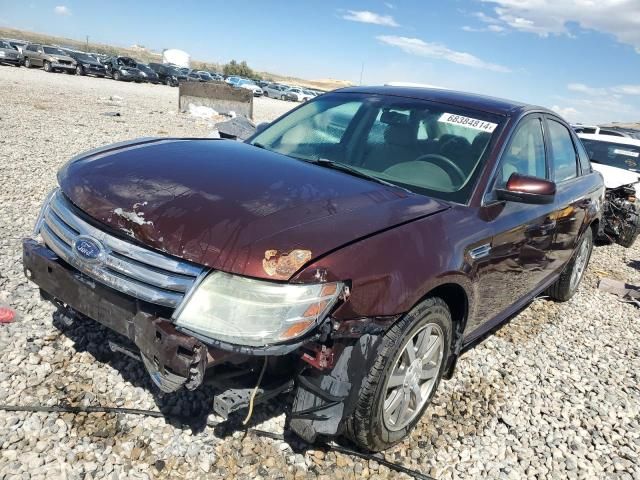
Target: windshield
[428, 148]
[246, 82]
[54, 51]
[127, 62]
[613, 154]
[84, 58]
[4, 45]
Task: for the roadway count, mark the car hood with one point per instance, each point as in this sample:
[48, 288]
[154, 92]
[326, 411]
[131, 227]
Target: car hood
[224, 204]
[615, 177]
[65, 58]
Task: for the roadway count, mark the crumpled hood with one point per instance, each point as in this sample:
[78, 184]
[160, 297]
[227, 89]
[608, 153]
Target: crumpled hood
[223, 204]
[615, 177]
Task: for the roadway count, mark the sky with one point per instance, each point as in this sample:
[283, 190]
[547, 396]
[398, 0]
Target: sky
[580, 57]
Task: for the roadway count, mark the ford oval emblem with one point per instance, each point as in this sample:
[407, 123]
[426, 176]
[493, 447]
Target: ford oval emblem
[88, 249]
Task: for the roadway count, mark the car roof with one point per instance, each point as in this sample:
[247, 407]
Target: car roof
[473, 101]
[610, 139]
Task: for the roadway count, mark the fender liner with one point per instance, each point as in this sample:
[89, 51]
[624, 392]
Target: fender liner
[324, 401]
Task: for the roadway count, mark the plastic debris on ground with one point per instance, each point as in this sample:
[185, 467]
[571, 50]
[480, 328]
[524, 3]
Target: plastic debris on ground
[200, 111]
[238, 128]
[7, 315]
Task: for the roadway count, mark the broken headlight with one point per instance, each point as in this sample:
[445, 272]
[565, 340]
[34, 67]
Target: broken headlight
[246, 311]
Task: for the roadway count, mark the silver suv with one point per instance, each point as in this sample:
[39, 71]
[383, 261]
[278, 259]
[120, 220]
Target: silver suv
[50, 58]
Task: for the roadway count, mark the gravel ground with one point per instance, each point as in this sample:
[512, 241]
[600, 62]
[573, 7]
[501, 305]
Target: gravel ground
[552, 395]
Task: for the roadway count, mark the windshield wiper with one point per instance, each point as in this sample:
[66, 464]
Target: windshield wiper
[343, 167]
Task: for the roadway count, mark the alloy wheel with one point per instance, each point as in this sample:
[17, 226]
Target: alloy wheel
[413, 377]
[580, 264]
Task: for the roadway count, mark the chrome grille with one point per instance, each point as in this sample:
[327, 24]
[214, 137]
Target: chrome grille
[126, 267]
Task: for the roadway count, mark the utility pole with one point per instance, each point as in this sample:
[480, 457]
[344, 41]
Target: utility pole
[361, 73]
[87, 47]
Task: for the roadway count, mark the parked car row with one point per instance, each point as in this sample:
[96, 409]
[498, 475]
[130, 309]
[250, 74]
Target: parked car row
[54, 58]
[285, 92]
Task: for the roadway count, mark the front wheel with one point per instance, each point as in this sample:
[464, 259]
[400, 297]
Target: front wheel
[569, 280]
[630, 230]
[27, 62]
[47, 67]
[79, 70]
[403, 378]
[116, 75]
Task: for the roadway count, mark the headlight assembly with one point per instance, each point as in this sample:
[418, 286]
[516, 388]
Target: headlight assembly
[250, 312]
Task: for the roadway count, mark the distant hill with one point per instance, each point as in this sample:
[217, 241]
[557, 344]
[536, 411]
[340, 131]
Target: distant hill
[146, 55]
[634, 125]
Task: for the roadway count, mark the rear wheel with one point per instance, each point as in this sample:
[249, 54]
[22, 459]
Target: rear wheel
[403, 378]
[569, 280]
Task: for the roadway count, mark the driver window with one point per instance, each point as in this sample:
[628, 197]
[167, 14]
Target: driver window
[525, 154]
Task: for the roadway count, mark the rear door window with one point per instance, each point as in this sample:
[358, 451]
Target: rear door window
[564, 154]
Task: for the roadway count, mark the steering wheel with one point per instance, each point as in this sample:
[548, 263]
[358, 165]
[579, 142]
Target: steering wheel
[445, 164]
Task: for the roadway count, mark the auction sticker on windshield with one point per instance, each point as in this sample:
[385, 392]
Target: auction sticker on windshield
[627, 153]
[468, 122]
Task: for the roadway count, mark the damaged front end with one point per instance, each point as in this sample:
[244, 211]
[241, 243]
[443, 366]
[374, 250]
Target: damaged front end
[191, 326]
[621, 215]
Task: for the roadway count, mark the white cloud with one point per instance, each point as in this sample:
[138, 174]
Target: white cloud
[364, 16]
[415, 46]
[582, 88]
[627, 89]
[390, 5]
[569, 113]
[483, 17]
[62, 10]
[620, 18]
[616, 91]
[489, 28]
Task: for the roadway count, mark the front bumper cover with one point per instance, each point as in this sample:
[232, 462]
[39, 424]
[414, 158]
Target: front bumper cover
[325, 387]
[173, 358]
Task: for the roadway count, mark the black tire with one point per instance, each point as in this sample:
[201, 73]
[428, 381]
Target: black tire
[562, 290]
[47, 67]
[79, 70]
[629, 234]
[366, 426]
[27, 63]
[116, 75]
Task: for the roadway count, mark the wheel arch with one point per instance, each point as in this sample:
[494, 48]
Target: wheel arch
[457, 299]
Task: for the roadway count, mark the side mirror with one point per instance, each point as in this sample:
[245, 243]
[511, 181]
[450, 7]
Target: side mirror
[261, 126]
[526, 189]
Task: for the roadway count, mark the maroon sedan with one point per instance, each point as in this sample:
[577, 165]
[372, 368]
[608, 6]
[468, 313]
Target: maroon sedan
[345, 256]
